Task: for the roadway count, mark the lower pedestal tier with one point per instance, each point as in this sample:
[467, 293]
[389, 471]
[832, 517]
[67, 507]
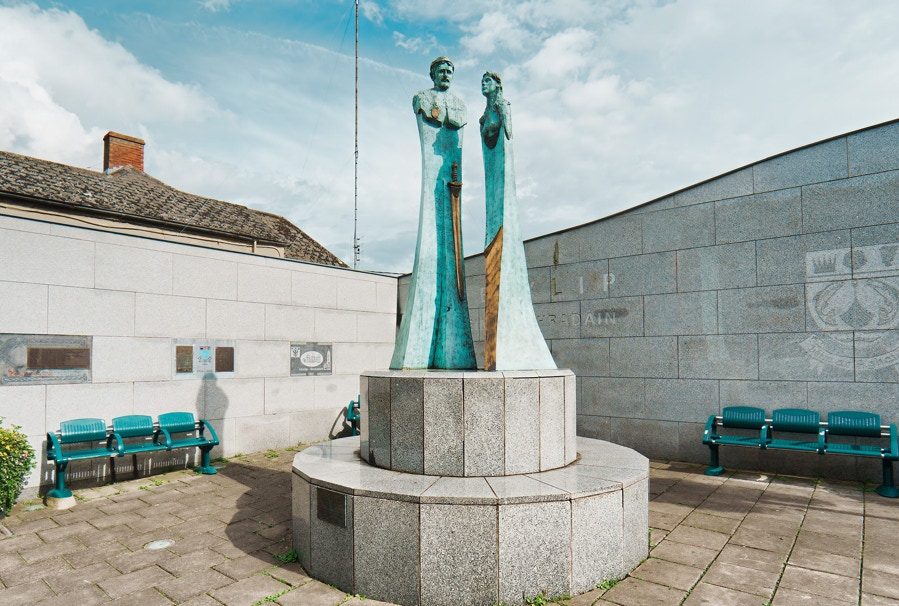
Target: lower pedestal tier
[421, 540]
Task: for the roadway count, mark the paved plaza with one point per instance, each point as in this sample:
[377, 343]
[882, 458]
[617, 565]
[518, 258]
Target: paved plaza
[183, 538]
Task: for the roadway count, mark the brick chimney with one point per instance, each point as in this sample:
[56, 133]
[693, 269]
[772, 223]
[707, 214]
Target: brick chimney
[122, 150]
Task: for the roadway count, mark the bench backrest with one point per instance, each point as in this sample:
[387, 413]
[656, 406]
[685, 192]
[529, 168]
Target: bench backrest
[796, 420]
[746, 417]
[133, 425]
[174, 422]
[853, 423]
[82, 430]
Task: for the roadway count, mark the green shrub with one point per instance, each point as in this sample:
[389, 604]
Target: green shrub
[16, 463]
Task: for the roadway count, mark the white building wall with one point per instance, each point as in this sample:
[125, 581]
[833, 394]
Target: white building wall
[134, 296]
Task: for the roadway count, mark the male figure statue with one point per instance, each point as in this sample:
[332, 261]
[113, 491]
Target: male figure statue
[435, 331]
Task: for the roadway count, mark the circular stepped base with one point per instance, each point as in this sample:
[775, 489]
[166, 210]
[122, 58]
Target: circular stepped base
[426, 540]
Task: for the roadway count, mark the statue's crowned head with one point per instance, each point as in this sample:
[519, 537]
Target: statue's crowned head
[442, 69]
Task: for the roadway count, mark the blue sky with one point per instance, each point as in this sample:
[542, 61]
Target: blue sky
[615, 102]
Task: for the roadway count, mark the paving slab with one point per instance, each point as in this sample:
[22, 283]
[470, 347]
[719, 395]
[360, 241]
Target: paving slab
[698, 536]
[877, 600]
[691, 555]
[89, 595]
[313, 594]
[824, 561]
[194, 583]
[133, 582]
[707, 521]
[749, 557]
[832, 543]
[823, 584]
[881, 583]
[672, 574]
[249, 591]
[741, 578]
[635, 592]
[766, 541]
[793, 597]
[712, 595]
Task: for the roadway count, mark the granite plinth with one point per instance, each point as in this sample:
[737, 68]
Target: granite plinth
[469, 540]
[469, 424]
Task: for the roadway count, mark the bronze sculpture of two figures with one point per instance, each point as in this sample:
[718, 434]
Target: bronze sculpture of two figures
[435, 331]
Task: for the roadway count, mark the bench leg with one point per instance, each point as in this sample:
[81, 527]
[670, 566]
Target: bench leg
[205, 465]
[715, 468]
[60, 497]
[60, 491]
[888, 489]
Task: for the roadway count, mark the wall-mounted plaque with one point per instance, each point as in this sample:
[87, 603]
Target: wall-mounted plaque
[224, 359]
[184, 359]
[310, 359]
[44, 359]
[202, 359]
[331, 507]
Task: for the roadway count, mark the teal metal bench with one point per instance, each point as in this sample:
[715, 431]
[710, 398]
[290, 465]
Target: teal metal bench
[765, 433]
[128, 435]
[352, 415]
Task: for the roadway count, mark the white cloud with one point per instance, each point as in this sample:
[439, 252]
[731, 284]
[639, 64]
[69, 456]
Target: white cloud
[31, 123]
[417, 45]
[215, 6]
[495, 31]
[372, 11]
[562, 59]
[64, 85]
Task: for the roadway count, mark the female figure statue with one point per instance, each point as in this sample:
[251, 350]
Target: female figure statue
[435, 331]
[512, 337]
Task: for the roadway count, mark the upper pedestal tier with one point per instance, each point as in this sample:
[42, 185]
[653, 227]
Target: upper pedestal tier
[468, 423]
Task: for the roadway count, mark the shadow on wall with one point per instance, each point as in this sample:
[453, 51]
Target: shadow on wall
[346, 428]
[212, 405]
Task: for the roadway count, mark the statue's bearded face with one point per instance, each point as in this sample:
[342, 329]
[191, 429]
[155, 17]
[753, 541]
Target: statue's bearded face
[443, 75]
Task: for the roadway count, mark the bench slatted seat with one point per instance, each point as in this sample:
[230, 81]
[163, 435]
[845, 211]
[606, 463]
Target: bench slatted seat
[135, 426]
[184, 423]
[734, 417]
[76, 431]
[134, 435]
[128, 435]
[795, 421]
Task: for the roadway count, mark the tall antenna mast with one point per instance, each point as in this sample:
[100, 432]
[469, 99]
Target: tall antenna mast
[356, 248]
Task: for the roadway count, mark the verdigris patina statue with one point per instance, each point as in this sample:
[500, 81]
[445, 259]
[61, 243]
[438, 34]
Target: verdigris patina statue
[435, 331]
[512, 337]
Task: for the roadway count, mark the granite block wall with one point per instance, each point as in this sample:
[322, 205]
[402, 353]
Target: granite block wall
[135, 296]
[775, 285]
